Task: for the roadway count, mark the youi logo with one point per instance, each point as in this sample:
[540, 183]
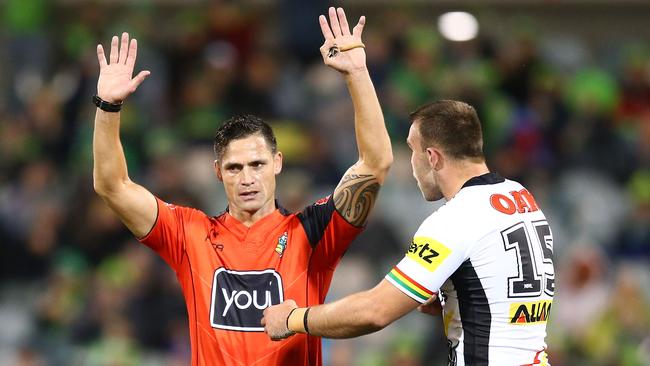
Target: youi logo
[240, 297]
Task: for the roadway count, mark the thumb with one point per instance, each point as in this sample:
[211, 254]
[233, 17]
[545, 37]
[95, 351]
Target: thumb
[138, 79]
[358, 29]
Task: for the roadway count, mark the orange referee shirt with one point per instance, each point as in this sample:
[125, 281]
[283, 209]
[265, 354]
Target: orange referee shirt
[230, 273]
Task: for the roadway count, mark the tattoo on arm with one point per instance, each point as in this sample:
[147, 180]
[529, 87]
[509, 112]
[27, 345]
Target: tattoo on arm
[355, 196]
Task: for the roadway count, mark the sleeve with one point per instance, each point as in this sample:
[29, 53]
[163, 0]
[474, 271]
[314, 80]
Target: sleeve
[329, 234]
[167, 236]
[428, 263]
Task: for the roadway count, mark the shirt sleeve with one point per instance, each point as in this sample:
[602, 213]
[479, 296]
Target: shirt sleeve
[167, 236]
[328, 232]
[428, 263]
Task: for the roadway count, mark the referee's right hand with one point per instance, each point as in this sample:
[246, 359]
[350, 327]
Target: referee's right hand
[115, 77]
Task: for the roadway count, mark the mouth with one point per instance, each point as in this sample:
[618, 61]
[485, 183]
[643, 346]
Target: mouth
[248, 196]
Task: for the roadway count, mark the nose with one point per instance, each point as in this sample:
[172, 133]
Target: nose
[247, 176]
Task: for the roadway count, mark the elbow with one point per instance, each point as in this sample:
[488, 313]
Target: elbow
[385, 162]
[105, 189]
[381, 166]
[100, 188]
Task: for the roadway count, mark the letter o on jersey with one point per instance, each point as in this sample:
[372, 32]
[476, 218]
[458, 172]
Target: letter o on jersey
[503, 204]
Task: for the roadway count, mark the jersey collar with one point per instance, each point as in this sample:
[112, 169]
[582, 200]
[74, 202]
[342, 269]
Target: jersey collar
[484, 179]
[278, 207]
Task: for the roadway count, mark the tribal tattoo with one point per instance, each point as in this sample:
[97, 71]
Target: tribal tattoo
[355, 196]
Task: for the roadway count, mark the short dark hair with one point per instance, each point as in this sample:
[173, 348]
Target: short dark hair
[239, 127]
[452, 126]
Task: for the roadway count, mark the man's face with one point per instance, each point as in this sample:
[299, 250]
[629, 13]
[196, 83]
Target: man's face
[421, 165]
[247, 170]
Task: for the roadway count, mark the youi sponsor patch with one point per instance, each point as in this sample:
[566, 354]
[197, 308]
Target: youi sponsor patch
[240, 297]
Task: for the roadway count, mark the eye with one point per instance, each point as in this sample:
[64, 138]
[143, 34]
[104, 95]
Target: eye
[234, 169]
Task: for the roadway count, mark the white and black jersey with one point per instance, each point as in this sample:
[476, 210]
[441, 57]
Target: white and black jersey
[489, 253]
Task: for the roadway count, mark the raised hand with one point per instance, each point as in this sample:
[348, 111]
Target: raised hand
[338, 39]
[115, 78]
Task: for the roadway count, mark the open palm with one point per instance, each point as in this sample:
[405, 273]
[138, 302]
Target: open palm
[115, 77]
[337, 34]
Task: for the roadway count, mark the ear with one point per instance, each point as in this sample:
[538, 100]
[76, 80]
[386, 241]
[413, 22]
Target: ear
[217, 170]
[277, 163]
[436, 158]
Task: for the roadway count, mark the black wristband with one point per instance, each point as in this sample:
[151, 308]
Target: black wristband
[304, 320]
[289, 316]
[107, 106]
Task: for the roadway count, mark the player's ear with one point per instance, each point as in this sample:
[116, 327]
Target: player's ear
[277, 163]
[436, 158]
[217, 170]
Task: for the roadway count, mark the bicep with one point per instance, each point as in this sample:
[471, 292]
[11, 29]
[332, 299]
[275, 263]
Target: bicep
[355, 195]
[136, 207]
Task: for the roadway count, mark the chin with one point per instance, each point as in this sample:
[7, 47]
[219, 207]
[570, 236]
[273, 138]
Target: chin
[250, 206]
[432, 196]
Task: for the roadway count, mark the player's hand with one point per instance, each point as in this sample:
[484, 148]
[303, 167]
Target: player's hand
[275, 318]
[337, 34]
[432, 306]
[115, 77]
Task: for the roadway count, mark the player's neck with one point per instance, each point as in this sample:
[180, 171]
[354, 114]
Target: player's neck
[459, 173]
[249, 218]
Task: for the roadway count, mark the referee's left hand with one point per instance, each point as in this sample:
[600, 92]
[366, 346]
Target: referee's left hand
[275, 318]
[337, 33]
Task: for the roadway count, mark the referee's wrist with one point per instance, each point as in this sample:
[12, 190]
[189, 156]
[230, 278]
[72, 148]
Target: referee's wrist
[297, 320]
[107, 106]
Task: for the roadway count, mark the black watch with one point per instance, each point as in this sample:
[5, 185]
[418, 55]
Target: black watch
[107, 106]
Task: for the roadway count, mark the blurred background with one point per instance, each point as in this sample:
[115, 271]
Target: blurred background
[562, 89]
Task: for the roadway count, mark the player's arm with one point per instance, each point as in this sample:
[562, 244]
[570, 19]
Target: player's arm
[355, 315]
[134, 205]
[355, 195]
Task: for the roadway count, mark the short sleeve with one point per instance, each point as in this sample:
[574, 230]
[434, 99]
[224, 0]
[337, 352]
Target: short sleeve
[167, 236]
[430, 260]
[327, 231]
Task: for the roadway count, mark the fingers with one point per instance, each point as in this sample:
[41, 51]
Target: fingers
[138, 79]
[124, 48]
[325, 28]
[101, 57]
[114, 54]
[358, 29]
[133, 52]
[334, 22]
[345, 28]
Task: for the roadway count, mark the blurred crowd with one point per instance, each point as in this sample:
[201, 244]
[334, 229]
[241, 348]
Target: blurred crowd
[570, 123]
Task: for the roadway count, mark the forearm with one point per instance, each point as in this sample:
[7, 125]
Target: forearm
[349, 317]
[372, 137]
[109, 164]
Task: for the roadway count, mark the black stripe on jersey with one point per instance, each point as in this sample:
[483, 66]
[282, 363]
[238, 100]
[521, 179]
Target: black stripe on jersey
[475, 314]
[315, 218]
[481, 180]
